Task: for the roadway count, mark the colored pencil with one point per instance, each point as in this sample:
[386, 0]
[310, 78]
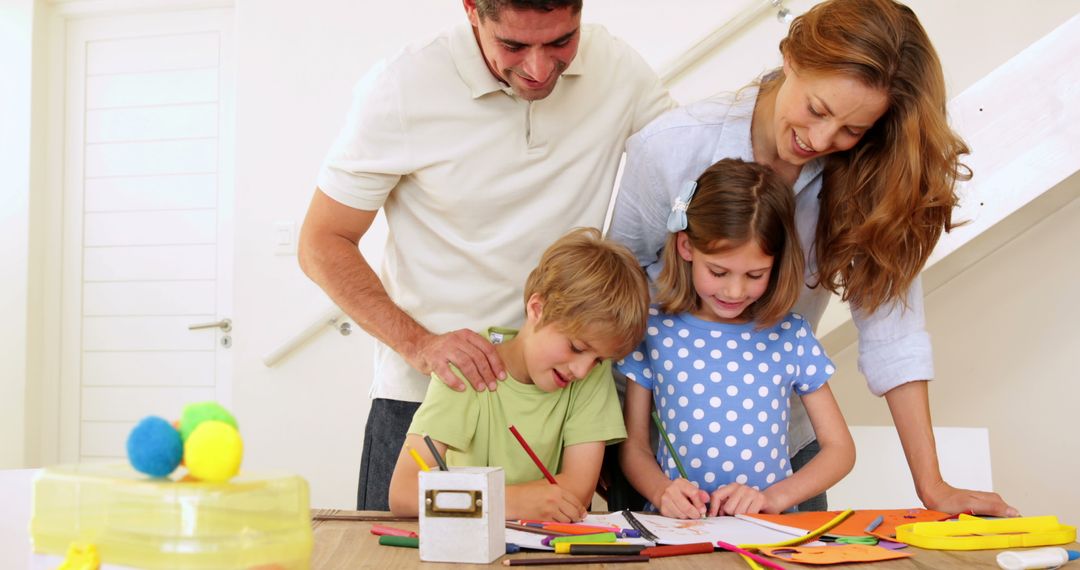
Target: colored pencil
[405, 541]
[574, 560]
[614, 548]
[435, 453]
[535, 530]
[572, 528]
[747, 554]
[416, 457]
[678, 550]
[536, 460]
[667, 442]
[383, 530]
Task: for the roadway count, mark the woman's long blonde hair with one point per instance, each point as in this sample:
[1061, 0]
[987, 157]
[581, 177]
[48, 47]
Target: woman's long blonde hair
[885, 202]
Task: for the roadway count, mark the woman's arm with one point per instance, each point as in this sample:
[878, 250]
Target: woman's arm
[836, 458]
[910, 407]
[404, 485]
[679, 498]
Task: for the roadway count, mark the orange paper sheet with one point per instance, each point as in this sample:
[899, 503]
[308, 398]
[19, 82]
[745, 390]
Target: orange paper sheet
[856, 524]
[840, 554]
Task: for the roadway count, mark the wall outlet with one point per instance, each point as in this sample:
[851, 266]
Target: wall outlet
[285, 238]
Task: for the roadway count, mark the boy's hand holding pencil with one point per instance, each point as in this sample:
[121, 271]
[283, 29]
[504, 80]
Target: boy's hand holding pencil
[544, 500]
[540, 500]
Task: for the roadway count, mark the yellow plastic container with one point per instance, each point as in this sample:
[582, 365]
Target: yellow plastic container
[254, 521]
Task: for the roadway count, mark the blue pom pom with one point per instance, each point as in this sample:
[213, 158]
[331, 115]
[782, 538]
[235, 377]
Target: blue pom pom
[155, 447]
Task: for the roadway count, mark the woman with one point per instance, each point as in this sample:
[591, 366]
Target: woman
[855, 122]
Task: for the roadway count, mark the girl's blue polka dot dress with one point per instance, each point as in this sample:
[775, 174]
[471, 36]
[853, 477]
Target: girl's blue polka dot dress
[722, 392]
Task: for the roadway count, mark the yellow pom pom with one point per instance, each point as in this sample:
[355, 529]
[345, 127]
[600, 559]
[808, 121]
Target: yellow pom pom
[213, 451]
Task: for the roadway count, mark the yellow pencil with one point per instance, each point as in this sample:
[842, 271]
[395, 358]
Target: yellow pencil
[419, 460]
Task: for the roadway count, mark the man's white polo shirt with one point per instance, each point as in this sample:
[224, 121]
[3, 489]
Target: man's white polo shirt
[475, 182]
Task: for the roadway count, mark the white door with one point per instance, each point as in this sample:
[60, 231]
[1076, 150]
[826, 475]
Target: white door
[147, 248]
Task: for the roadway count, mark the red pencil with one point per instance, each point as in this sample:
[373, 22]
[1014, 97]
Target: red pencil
[536, 460]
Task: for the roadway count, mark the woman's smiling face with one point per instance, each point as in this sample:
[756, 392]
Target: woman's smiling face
[816, 114]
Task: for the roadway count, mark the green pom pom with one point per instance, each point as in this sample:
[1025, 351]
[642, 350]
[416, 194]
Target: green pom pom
[195, 414]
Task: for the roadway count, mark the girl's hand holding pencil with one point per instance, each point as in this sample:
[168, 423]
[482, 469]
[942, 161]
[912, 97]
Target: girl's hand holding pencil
[683, 500]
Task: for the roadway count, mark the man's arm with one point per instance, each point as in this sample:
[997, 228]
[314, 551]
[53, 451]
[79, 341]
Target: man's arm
[910, 407]
[330, 256]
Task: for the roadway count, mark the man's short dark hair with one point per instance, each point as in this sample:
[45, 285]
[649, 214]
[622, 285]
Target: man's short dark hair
[490, 9]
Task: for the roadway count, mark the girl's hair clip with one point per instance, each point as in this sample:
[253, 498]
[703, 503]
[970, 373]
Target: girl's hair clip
[676, 221]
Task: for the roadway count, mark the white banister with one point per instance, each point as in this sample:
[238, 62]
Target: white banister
[708, 43]
[328, 318]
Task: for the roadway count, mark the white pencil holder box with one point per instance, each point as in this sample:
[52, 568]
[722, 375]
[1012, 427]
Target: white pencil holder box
[462, 515]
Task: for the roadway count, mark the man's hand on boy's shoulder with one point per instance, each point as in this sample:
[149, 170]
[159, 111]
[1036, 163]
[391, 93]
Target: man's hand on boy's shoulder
[470, 353]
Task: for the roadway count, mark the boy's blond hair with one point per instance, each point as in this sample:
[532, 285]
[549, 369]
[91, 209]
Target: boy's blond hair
[591, 283]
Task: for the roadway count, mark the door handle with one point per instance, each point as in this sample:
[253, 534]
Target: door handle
[224, 324]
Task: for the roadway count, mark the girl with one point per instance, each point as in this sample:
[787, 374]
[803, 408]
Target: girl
[723, 351]
[854, 120]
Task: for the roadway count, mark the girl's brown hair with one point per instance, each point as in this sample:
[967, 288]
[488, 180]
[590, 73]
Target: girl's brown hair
[885, 202]
[591, 284]
[737, 202]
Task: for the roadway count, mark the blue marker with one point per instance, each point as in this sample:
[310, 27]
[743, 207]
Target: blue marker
[874, 523]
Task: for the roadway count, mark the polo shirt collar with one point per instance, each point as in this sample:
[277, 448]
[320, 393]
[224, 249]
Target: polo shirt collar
[474, 71]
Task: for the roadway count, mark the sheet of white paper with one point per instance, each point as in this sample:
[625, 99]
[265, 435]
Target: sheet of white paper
[732, 530]
[789, 530]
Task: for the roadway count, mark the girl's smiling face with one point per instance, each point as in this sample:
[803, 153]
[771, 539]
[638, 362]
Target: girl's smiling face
[729, 281]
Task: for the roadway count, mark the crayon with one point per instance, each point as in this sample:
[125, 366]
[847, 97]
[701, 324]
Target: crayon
[536, 460]
[382, 530]
[435, 452]
[404, 541]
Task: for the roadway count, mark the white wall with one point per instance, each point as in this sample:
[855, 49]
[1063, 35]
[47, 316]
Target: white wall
[16, 36]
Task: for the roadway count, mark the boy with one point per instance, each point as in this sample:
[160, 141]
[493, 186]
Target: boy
[586, 304]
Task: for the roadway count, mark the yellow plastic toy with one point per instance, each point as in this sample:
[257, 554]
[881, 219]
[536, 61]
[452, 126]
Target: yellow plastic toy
[973, 533]
[81, 556]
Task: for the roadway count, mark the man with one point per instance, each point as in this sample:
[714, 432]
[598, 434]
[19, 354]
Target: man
[482, 145]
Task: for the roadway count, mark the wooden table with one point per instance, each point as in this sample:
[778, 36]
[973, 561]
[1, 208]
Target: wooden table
[350, 544]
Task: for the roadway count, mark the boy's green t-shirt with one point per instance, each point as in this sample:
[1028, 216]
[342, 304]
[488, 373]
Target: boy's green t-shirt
[475, 425]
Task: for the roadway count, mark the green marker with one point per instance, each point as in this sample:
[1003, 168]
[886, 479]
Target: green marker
[600, 537]
[670, 448]
[406, 541]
